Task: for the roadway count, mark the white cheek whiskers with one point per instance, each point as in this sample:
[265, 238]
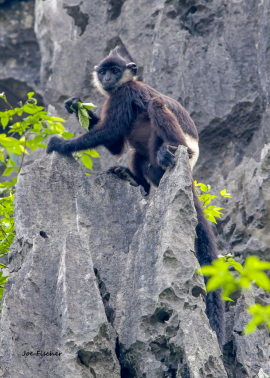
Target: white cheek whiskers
[127, 76]
[98, 85]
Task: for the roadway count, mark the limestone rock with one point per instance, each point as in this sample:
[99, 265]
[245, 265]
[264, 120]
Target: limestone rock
[105, 277]
[212, 56]
[19, 52]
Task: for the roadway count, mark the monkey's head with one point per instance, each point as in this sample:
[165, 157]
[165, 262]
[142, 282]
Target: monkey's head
[112, 72]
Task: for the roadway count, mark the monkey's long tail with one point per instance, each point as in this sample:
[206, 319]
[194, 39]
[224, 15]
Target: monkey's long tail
[206, 253]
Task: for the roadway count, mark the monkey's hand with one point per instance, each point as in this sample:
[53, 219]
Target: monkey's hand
[72, 107]
[72, 103]
[58, 144]
[165, 156]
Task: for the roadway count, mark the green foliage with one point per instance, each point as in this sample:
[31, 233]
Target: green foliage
[30, 128]
[83, 113]
[84, 122]
[260, 315]
[221, 276]
[211, 212]
[3, 280]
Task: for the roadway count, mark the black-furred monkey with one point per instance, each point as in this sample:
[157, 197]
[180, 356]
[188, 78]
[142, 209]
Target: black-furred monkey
[154, 125]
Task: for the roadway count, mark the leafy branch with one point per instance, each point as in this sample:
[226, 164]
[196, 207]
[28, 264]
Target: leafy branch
[211, 212]
[222, 277]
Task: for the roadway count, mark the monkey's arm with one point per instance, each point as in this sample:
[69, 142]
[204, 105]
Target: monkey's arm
[95, 137]
[73, 102]
[110, 132]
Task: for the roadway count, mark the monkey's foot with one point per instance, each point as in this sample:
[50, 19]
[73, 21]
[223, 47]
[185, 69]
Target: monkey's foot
[165, 156]
[124, 174]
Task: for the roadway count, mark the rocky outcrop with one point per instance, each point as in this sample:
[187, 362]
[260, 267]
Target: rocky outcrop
[212, 56]
[19, 52]
[245, 356]
[245, 227]
[104, 277]
[244, 231]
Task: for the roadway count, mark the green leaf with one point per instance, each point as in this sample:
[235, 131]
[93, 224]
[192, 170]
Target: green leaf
[7, 171]
[227, 299]
[57, 119]
[225, 194]
[88, 105]
[208, 270]
[87, 162]
[92, 153]
[209, 216]
[67, 135]
[83, 118]
[32, 109]
[236, 265]
[203, 188]
[261, 315]
[4, 120]
[30, 95]
[24, 150]
[214, 283]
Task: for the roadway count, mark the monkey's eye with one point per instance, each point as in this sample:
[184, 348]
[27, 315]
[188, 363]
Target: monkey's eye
[115, 71]
[102, 72]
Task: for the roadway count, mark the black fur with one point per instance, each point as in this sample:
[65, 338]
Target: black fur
[154, 125]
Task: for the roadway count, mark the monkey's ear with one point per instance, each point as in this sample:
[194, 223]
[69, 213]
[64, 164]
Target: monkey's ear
[132, 66]
[95, 68]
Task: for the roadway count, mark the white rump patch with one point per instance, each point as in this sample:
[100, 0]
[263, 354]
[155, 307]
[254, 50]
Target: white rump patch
[194, 145]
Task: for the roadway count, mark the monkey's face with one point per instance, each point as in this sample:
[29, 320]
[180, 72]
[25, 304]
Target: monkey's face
[109, 77]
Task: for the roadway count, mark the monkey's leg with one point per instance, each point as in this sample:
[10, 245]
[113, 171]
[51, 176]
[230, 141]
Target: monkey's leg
[137, 164]
[168, 132]
[154, 173]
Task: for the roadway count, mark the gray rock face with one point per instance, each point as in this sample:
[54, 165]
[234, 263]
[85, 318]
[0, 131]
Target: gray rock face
[19, 52]
[105, 278]
[212, 56]
[245, 356]
[244, 229]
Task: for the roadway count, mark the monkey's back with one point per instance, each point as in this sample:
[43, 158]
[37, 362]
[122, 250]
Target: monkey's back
[184, 119]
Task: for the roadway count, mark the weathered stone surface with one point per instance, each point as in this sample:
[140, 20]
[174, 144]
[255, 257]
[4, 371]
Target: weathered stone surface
[19, 52]
[245, 228]
[212, 56]
[244, 231]
[71, 228]
[245, 356]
